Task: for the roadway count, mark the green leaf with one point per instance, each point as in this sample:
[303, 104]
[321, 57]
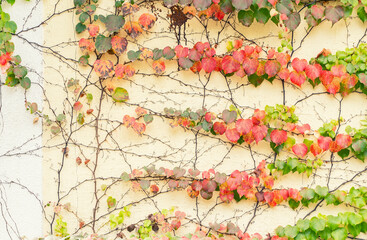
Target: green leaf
[339, 234]
[344, 153]
[290, 231]
[79, 3]
[321, 191]
[10, 26]
[293, 21]
[293, 203]
[20, 71]
[83, 17]
[355, 219]
[255, 79]
[132, 55]
[148, 118]
[114, 23]
[317, 224]
[25, 82]
[11, 2]
[246, 17]
[103, 44]
[120, 95]
[80, 27]
[333, 221]
[303, 224]
[61, 117]
[262, 15]
[362, 14]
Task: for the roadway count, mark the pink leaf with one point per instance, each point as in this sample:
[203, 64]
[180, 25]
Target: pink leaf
[299, 65]
[300, 149]
[278, 136]
[259, 132]
[343, 140]
[230, 65]
[324, 142]
[244, 126]
[232, 135]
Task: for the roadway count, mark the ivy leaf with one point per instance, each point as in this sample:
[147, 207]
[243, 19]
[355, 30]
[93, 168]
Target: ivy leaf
[278, 136]
[317, 11]
[20, 71]
[259, 132]
[80, 27]
[317, 224]
[230, 65]
[133, 29]
[290, 231]
[232, 135]
[293, 21]
[303, 224]
[339, 234]
[114, 23]
[272, 67]
[241, 4]
[168, 53]
[244, 126]
[118, 44]
[343, 140]
[208, 64]
[300, 149]
[229, 116]
[158, 66]
[262, 15]
[362, 13]
[321, 191]
[185, 62]
[170, 3]
[25, 82]
[246, 17]
[120, 95]
[202, 4]
[144, 184]
[147, 20]
[103, 44]
[103, 68]
[334, 14]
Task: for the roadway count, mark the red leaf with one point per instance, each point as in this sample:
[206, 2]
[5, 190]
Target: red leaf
[219, 128]
[300, 149]
[284, 74]
[259, 132]
[209, 117]
[154, 188]
[315, 149]
[194, 55]
[313, 71]
[244, 126]
[250, 65]
[239, 56]
[139, 127]
[282, 58]
[272, 67]
[334, 14]
[232, 135]
[317, 11]
[326, 77]
[147, 20]
[78, 106]
[278, 136]
[324, 142]
[269, 196]
[338, 70]
[334, 86]
[196, 185]
[299, 65]
[230, 65]
[181, 51]
[343, 140]
[208, 64]
[196, 67]
[303, 128]
[297, 78]
[84, 44]
[93, 30]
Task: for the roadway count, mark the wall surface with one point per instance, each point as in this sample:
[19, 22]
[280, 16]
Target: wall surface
[20, 138]
[77, 192]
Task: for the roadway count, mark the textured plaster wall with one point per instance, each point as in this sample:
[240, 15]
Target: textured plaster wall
[20, 138]
[123, 149]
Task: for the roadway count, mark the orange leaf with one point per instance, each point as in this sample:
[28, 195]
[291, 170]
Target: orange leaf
[147, 20]
[103, 68]
[133, 29]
